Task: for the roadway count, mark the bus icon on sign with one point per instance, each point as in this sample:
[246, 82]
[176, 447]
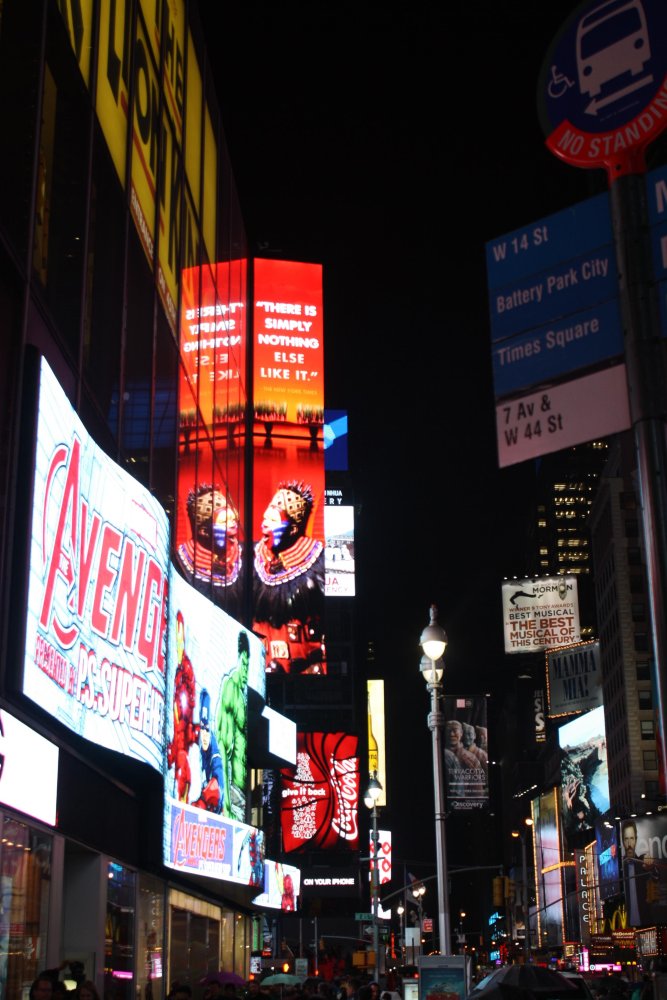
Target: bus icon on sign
[612, 40]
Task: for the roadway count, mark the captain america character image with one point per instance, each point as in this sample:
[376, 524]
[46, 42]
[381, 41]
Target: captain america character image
[211, 796]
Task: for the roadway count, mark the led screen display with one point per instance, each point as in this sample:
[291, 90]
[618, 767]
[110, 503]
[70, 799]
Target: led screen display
[339, 547]
[606, 842]
[23, 754]
[320, 799]
[585, 778]
[546, 831]
[210, 515]
[282, 887]
[96, 618]
[212, 661]
[644, 869]
[288, 464]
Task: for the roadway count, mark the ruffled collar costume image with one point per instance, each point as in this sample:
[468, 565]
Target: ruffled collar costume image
[213, 553]
[289, 583]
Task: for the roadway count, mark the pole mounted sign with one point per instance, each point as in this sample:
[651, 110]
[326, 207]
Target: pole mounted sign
[602, 93]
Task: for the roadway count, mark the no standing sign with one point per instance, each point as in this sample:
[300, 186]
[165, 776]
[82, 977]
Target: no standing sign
[602, 93]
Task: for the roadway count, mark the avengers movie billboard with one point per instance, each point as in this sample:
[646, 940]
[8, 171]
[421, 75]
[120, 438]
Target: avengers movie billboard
[320, 799]
[288, 465]
[212, 662]
[466, 753]
[97, 590]
[540, 613]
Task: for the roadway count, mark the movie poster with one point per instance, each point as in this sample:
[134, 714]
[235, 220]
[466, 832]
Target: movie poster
[466, 753]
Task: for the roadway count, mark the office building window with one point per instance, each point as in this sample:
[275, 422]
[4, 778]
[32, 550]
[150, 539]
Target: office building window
[647, 729]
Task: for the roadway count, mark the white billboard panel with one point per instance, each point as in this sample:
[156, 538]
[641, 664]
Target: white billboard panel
[574, 679]
[561, 416]
[540, 614]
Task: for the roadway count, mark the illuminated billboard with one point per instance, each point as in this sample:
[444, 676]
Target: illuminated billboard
[384, 855]
[644, 869]
[377, 746]
[212, 662]
[540, 614]
[210, 514]
[282, 887]
[339, 547]
[466, 753]
[320, 799]
[97, 592]
[24, 754]
[288, 463]
[548, 871]
[585, 778]
[574, 678]
[608, 854]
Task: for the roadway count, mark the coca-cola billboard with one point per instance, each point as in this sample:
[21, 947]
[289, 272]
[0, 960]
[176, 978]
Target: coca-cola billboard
[97, 592]
[320, 799]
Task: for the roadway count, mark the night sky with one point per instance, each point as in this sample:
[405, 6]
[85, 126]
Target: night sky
[390, 143]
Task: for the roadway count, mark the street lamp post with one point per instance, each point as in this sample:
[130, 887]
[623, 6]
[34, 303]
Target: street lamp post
[373, 793]
[419, 891]
[521, 835]
[433, 641]
[400, 909]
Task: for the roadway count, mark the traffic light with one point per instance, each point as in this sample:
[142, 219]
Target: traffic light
[652, 891]
[510, 889]
[499, 890]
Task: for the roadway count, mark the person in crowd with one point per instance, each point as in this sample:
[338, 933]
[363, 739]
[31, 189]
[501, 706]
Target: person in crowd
[87, 991]
[42, 987]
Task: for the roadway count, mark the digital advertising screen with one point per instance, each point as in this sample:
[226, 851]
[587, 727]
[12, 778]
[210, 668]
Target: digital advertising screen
[644, 869]
[212, 394]
[377, 743]
[282, 887]
[339, 546]
[608, 859]
[212, 662]
[466, 753]
[384, 855]
[585, 777]
[95, 639]
[23, 754]
[288, 465]
[540, 614]
[546, 845]
[320, 799]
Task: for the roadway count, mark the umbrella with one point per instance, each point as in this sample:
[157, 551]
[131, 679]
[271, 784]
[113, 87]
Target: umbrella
[223, 977]
[521, 982]
[281, 979]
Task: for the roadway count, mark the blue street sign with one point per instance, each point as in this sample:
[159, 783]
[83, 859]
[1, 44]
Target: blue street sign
[566, 345]
[564, 289]
[604, 69]
[550, 241]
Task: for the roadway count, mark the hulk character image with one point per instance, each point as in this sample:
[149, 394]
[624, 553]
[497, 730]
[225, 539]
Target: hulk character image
[231, 731]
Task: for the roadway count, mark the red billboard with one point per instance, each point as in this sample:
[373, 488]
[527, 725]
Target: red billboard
[212, 407]
[288, 457]
[320, 799]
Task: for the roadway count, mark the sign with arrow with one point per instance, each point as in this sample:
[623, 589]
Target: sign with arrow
[602, 93]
